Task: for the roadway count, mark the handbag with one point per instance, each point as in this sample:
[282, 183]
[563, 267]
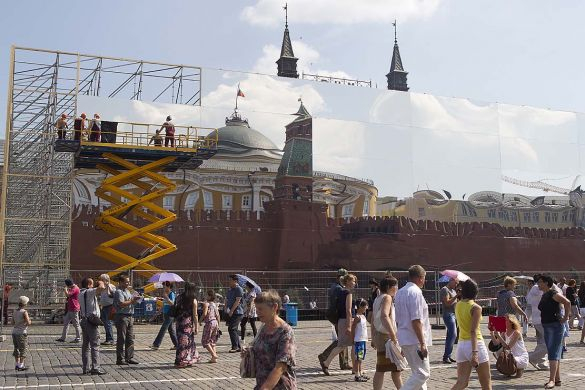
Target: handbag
[91, 317]
[506, 364]
[494, 347]
[248, 364]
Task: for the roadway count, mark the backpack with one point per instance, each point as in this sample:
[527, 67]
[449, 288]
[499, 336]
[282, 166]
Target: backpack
[331, 314]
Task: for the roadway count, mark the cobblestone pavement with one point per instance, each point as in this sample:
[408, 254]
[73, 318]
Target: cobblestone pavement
[57, 365]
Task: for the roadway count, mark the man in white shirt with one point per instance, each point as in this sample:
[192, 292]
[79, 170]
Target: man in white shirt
[538, 357]
[414, 328]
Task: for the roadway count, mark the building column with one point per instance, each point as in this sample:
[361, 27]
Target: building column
[256, 201]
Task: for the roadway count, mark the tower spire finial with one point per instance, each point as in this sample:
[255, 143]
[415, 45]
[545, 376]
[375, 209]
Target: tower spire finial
[285, 15]
[394, 24]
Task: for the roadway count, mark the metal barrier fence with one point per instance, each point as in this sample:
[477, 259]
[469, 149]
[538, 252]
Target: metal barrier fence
[308, 289]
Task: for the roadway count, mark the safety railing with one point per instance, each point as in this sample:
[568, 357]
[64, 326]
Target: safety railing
[144, 135]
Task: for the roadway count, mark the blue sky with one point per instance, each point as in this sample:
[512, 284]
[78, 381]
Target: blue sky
[521, 52]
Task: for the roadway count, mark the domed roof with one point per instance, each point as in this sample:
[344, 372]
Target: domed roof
[238, 138]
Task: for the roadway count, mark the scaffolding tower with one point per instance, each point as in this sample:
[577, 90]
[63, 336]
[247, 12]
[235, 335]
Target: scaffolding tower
[36, 203]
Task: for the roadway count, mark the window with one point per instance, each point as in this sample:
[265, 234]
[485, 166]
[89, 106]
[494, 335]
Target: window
[565, 216]
[547, 217]
[491, 213]
[513, 216]
[169, 202]
[555, 217]
[207, 200]
[536, 217]
[463, 210]
[573, 216]
[527, 217]
[472, 212]
[421, 212]
[366, 208]
[191, 200]
[246, 202]
[226, 202]
[347, 211]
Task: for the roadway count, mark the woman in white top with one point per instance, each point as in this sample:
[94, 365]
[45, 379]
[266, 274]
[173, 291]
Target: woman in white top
[384, 329]
[512, 339]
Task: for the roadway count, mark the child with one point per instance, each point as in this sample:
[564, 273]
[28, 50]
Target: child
[21, 322]
[360, 331]
[211, 319]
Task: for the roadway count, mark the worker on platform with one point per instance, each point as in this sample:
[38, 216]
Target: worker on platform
[157, 139]
[62, 126]
[169, 128]
[79, 127]
[95, 128]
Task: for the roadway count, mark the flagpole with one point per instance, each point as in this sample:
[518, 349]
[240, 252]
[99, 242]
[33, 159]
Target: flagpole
[237, 94]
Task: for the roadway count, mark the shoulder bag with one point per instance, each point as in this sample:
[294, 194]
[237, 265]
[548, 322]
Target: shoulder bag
[91, 317]
[506, 364]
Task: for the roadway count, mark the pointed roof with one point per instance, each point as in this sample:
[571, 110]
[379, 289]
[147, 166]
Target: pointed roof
[302, 113]
[286, 50]
[396, 64]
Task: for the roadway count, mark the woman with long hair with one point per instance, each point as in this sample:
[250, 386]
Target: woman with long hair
[471, 349]
[187, 327]
[512, 339]
[554, 326]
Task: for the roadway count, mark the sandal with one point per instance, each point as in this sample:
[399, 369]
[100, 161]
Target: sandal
[549, 385]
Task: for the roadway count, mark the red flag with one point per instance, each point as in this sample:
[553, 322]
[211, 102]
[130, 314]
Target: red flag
[240, 93]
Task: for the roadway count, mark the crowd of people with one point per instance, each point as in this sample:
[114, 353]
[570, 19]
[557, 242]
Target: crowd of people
[396, 318]
[91, 130]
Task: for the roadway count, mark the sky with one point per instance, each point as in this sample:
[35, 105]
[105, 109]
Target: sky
[521, 52]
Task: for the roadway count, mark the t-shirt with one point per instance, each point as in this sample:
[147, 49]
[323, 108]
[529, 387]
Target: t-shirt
[550, 310]
[503, 301]
[232, 295]
[167, 306]
[341, 298]
[410, 305]
[169, 128]
[361, 329]
[88, 302]
[73, 299]
[20, 326]
[447, 292]
[122, 296]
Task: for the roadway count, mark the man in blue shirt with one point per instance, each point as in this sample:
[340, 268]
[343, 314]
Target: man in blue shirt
[168, 321]
[234, 311]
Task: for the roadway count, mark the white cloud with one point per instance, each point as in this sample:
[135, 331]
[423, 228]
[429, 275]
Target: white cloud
[308, 56]
[270, 13]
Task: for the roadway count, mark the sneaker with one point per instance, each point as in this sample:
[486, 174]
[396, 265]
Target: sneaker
[233, 350]
[132, 361]
[75, 341]
[108, 342]
[22, 368]
[154, 347]
[452, 360]
[97, 371]
[447, 361]
[360, 379]
[60, 340]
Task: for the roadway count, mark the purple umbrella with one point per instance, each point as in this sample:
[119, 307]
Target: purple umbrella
[165, 277]
[242, 279]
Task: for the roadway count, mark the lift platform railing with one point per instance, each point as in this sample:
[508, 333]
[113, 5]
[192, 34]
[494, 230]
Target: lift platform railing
[144, 135]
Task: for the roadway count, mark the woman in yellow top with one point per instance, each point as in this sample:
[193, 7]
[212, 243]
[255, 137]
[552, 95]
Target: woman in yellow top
[471, 349]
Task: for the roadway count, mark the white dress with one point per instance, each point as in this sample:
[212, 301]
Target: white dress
[518, 351]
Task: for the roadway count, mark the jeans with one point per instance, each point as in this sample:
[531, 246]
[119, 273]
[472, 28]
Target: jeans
[553, 337]
[420, 369]
[252, 322]
[449, 320]
[168, 324]
[91, 343]
[125, 329]
[105, 315]
[71, 316]
[233, 323]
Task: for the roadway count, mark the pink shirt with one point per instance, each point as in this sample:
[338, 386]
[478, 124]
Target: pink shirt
[73, 299]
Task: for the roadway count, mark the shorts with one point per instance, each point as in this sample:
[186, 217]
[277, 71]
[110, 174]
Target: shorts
[20, 345]
[464, 349]
[360, 350]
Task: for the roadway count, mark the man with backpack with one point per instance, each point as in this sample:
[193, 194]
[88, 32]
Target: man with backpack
[332, 316]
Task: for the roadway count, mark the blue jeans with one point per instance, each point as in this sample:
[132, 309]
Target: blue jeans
[168, 324]
[449, 320]
[553, 337]
[105, 315]
[233, 323]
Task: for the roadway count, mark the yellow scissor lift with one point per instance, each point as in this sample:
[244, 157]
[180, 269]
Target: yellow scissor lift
[135, 185]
